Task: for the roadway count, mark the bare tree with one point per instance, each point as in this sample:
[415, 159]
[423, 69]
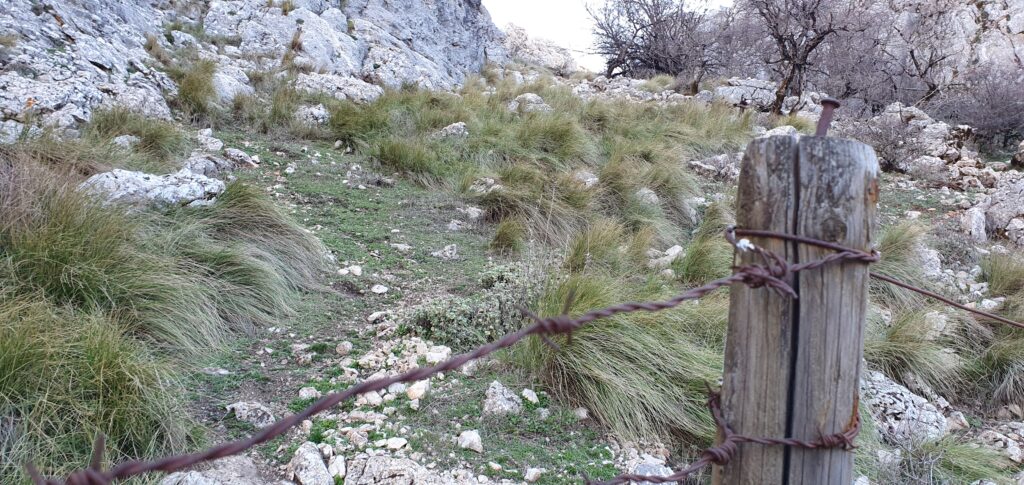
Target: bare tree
[644, 37]
[797, 29]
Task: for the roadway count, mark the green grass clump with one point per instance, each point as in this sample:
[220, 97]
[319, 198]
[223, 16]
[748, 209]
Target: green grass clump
[509, 236]
[949, 460]
[1005, 276]
[158, 139]
[101, 308]
[642, 374]
[66, 376]
[659, 83]
[910, 344]
[708, 256]
[898, 246]
[196, 94]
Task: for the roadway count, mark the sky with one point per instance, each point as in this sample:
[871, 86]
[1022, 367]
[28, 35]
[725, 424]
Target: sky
[564, 22]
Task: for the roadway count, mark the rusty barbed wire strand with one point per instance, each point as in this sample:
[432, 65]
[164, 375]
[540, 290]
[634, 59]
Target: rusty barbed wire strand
[770, 275]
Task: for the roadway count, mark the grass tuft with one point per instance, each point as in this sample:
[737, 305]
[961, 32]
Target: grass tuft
[641, 374]
[195, 88]
[158, 139]
[509, 237]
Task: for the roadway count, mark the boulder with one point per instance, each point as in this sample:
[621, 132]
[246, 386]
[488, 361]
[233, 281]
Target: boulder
[340, 87]
[501, 401]
[747, 92]
[307, 466]
[1018, 158]
[180, 188]
[529, 103]
[538, 52]
[902, 416]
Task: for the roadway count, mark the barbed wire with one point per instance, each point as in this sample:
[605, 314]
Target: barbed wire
[770, 274]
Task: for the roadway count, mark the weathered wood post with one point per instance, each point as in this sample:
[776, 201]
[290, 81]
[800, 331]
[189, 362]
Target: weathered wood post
[792, 366]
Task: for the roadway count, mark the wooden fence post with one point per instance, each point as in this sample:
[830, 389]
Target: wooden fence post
[792, 366]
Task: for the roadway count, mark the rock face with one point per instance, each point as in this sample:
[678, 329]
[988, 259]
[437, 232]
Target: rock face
[901, 415]
[539, 52]
[1004, 208]
[747, 92]
[72, 56]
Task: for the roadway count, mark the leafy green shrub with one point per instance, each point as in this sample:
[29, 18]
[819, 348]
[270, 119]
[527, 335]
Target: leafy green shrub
[466, 322]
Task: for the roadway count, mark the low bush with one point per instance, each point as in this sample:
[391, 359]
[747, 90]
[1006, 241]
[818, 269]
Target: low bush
[467, 322]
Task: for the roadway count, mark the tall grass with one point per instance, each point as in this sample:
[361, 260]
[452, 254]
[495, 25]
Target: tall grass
[101, 309]
[196, 94]
[642, 374]
[160, 141]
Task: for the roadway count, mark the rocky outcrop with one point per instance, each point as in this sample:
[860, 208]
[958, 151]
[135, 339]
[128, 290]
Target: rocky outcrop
[71, 56]
[539, 52]
[1004, 208]
[180, 188]
[901, 415]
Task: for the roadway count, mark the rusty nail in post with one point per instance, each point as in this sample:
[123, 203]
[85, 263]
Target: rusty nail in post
[828, 105]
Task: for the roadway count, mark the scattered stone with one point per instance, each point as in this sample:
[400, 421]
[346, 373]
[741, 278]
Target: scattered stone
[453, 131]
[208, 142]
[377, 316]
[379, 289]
[396, 443]
[449, 253]
[456, 225]
[500, 401]
[313, 115]
[530, 396]
[253, 413]
[418, 390]
[126, 141]
[581, 413]
[336, 466]
[647, 196]
[784, 130]
[588, 179]
[470, 440]
[307, 466]
[343, 348]
[472, 213]
[529, 103]
[533, 474]
[239, 157]
[651, 468]
[401, 247]
[309, 393]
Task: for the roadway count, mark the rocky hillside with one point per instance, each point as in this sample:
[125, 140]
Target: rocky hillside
[62, 59]
[246, 204]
